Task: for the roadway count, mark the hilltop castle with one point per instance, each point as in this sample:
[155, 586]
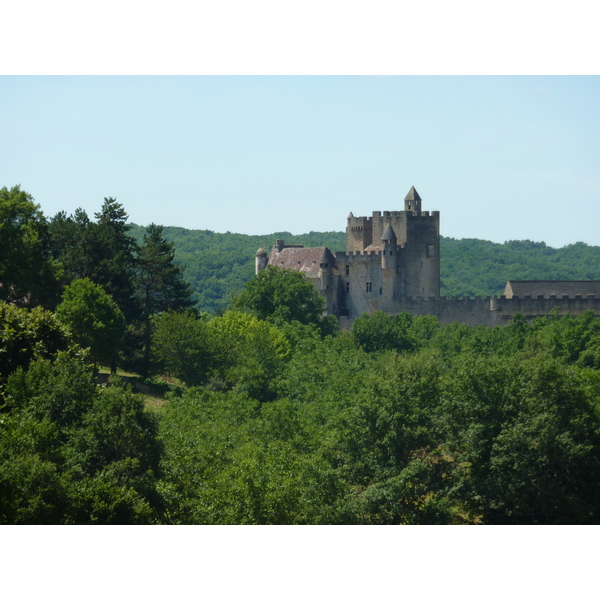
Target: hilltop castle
[392, 263]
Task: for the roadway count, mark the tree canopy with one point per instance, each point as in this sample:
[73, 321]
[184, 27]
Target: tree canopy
[27, 273]
[74, 453]
[93, 318]
[28, 335]
[272, 414]
[282, 295]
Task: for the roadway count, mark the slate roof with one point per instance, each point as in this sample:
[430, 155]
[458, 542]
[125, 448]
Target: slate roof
[389, 234]
[535, 288]
[305, 260]
[412, 194]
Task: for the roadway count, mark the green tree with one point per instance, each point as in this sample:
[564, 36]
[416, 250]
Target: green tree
[379, 331]
[234, 351]
[181, 346]
[94, 319]
[160, 283]
[71, 245]
[283, 295]
[102, 251]
[115, 257]
[71, 452]
[28, 335]
[27, 273]
[247, 353]
[525, 438]
[249, 463]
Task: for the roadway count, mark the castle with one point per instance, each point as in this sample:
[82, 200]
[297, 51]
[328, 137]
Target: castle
[392, 263]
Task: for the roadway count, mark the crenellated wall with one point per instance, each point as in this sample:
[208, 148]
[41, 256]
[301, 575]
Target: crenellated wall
[410, 266]
[540, 306]
[357, 269]
[402, 273]
[489, 311]
[421, 269]
[359, 233]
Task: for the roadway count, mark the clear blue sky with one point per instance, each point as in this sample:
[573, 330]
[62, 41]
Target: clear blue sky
[500, 157]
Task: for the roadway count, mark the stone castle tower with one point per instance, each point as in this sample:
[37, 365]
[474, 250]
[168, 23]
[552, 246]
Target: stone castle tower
[390, 257]
[392, 263]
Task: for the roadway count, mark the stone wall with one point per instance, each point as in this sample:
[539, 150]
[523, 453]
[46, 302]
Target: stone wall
[489, 311]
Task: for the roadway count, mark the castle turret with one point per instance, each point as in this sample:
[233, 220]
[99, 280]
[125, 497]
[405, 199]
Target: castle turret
[412, 202]
[325, 269]
[389, 246]
[261, 260]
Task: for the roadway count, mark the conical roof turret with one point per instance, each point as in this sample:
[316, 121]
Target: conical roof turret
[261, 252]
[412, 202]
[389, 234]
[412, 195]
[324, 260]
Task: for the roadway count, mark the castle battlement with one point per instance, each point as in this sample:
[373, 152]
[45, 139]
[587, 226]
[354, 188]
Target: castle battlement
[493, 310]
[359, 221]
[391, 214]
[392, 263]
[340, 257]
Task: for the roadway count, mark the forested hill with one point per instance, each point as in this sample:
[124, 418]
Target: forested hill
[472, 267]
[218, 264]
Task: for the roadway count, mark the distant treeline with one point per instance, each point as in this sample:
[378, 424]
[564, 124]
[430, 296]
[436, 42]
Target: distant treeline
[218, 264]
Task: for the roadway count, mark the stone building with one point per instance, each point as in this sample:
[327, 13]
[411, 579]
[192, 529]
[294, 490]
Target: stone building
[392, 263]
[318, 264]
[390, 257]
[535, 288]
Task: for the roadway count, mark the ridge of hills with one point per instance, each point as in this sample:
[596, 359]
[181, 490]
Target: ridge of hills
[218, 264]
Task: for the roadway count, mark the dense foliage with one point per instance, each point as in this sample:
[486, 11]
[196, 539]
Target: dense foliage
[273, 415]
[94, 320]
[71, 452]
[142, 279]
[480, 268]
[283, 296]
[28, 335]
[468, 425]
[27, 272]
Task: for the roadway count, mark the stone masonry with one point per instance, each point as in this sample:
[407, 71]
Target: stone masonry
[392, 263]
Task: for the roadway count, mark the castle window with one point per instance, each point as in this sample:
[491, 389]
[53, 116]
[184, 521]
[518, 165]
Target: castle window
[369, 287]
[380, 291]
[347, 287]
[347, 269]
[430, 250]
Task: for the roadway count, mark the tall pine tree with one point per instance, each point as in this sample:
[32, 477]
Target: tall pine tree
[160, 283]
[103, 251]
[114, 261]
